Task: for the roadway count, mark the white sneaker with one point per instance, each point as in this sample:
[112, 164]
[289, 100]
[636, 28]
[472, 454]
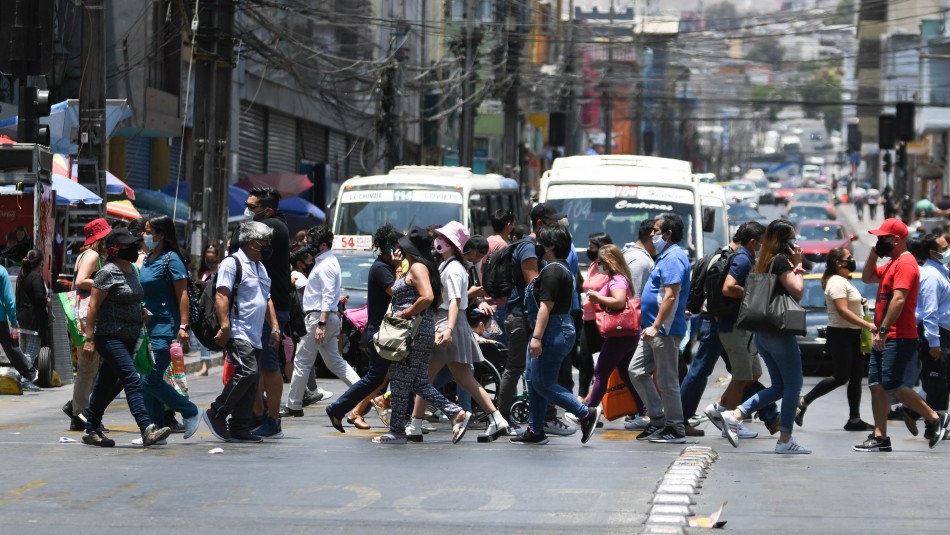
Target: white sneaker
[413, 432]
[791, 448]
[559, 428]
[712, 413]
[138, 442]
[730, 428]
[326, 394]
[428, 428]
[745, 432]
[637, 424]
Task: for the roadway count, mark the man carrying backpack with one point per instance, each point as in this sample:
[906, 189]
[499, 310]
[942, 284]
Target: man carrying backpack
[502, 222]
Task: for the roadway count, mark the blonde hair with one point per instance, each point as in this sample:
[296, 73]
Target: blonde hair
[611, 257]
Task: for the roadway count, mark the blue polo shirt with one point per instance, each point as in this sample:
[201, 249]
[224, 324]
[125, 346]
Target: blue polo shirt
[740, 268]
[671, 267]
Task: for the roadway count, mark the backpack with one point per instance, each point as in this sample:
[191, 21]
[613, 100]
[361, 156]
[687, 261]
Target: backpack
[718, 304]
[207, 324]
[296, 327]
[697, 283]
[497, 270]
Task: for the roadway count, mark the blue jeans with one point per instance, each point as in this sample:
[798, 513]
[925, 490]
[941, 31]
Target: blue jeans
[368, 384]
[444, 377]
[116, 373]
[783, 359]
[888, 368]
[158, 393]
[708, 351]
[500, 320]
[542, 373]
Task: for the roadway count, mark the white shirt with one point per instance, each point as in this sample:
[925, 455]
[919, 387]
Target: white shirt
[300, 280]
[323, 285]
[252, 293]
[454, 278]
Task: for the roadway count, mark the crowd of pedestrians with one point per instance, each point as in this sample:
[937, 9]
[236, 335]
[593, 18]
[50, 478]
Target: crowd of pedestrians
[546, 321]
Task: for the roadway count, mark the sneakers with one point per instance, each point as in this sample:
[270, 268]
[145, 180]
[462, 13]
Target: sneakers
[529, 439]
[497, 427]
[244, 436]
[29, 386]
[800, 414]
[269, 429]
[649, 431]
[938, 428]
[138, 442]
[559, 428]
[744, 432]
[217, 424]
[191, 425]
[697, 419]
[910, 420]
[860, 425]
[637, 424]
[76, 424]
[668, 435]
[791, 448]
[315, 397]
[414, 430]
[589, 424]
[712, 412]
[287, 412]
[874, 443]
[153, 433]
[96, 438]
[731, 427]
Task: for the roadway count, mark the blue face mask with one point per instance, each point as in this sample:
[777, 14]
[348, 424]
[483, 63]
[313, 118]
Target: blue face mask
[945, 257]
[149, 242]
[658, 243]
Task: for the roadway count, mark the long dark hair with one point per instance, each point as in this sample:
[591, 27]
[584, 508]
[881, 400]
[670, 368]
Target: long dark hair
[31, 261]
[831, 264]
[166, 227]
[774, 242]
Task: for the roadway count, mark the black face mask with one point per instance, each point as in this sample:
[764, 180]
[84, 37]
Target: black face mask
[308, 267]
[266, 252]
[539, 250]
[130, 254]
[883, 247]
[592, 255]
[850, 265]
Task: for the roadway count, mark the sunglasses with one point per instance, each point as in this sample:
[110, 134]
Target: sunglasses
[251, 206]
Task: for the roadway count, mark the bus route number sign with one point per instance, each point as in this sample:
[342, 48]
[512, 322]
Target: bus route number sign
[353, 242]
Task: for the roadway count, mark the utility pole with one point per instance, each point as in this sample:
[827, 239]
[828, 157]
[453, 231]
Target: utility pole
[605, 94]
[511, 163]
[91, 161]
[467, 124]
[570, 108]
[214, 56]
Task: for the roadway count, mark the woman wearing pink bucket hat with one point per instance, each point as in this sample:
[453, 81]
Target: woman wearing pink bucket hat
[454, 340]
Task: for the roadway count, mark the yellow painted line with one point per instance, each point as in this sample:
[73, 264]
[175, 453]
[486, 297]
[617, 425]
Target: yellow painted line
[14, 426]
[27, 488]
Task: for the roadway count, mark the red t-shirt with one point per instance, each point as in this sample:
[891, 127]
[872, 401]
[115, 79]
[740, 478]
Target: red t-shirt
[901, 273]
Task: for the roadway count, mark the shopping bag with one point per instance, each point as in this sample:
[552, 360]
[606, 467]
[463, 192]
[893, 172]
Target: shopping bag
[866, 336]
[74, 327]
[143, 359]
[618, 401]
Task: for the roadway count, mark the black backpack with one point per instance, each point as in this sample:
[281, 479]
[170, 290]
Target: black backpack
[208, 325]
[498, 268]
[296, 327]
[718, 304]
[697, 284]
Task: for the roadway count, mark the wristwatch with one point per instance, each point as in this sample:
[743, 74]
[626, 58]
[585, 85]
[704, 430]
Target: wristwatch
[183, 327]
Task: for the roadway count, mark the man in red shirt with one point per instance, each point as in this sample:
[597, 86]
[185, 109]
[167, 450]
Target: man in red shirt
[895, 339]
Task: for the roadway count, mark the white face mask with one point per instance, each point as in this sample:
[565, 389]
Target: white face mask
[659, 243]
[248, 213]
[945, 257]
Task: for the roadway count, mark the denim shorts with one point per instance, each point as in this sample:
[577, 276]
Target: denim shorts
[886, 368]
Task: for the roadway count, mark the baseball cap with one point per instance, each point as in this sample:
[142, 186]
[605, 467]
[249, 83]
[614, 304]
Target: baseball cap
[543, 210]
[121, 237]
[891, 227]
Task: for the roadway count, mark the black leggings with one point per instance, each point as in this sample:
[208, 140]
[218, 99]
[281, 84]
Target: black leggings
[584, 359]
[844, 346]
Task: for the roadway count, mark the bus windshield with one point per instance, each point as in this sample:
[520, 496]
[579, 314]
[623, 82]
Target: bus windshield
[618, 210]
[361, 212]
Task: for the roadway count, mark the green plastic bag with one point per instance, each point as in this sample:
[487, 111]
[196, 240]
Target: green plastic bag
[76, 337]
[144, 359]
[866, 337]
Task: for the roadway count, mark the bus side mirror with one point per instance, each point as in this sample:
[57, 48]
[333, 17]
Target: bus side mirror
[709, 219]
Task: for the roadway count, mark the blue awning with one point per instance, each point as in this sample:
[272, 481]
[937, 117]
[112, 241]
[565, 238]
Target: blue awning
[69, 192]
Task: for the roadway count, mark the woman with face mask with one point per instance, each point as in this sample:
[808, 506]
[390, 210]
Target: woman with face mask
[591, 341]
[113, 322]
[165, 280]
[845, 321]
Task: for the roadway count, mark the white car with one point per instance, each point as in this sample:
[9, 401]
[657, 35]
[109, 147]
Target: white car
[811, 173]
[742, 191]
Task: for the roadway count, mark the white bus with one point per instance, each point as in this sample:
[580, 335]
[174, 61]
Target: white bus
[613, 194]
[411, 195]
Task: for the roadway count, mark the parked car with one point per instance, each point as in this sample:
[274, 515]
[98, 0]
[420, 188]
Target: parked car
[814, 359]
[818, 237]
[742, 191]
[802, 211]
[741, 213]
[816, 196]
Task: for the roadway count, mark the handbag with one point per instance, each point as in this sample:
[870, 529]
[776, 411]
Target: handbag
[616, 323]
[768, 308]
[143, 359]
[618, 401]
[393, 341]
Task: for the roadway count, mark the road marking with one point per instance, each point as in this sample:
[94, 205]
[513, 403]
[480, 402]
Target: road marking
[412, 506]
[364, 497]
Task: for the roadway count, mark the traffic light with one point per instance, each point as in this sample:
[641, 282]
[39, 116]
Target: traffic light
[887, 163]
[34, 104]
[901, 162]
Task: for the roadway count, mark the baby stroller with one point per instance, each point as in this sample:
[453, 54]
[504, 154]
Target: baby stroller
[488, 372]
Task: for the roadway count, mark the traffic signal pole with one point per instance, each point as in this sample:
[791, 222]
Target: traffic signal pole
[92, 101]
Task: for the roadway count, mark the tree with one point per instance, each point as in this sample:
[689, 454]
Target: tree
[764, 97]
[767, 50]
[822, 87]
[844, 14]
[723, 16]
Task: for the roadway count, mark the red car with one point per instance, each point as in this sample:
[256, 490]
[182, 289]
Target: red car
[816, 237]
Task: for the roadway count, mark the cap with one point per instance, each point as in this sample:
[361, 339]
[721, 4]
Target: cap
[891, 227]
[96, 230]
[121, 237]
[544, 210]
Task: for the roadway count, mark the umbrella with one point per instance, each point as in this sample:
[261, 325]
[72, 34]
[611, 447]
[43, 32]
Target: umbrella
[69, 192]
[298, 207]
[64, 118]
[236, 199]
[122, 210]
[161, 203]
[287, 184]
[114, 186]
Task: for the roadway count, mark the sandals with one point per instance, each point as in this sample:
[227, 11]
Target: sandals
[357, 421]
[389, 438]
[459, 428]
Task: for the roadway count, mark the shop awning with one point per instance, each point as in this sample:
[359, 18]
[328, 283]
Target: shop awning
[122, 210]
[69, 192]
